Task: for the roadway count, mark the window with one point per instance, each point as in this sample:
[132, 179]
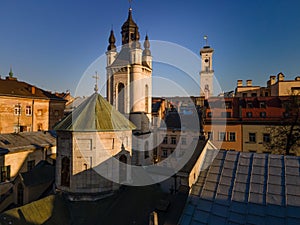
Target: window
[209, 114]
[222, 136]
[228, 114]
[210, 135]
[286, 114]
[5, 173]
[28, 110]
[39, 112]
[249, 114]
[164, 153]
[30, 165]
[252, 137]
[173, 140]
[266, 93]
[266, 138]
[40, 126]
[65, 172]
[231, 136]
[146, 150]
[56, 113]
[228, 105]
[183, 140]
[262, 104]
[249, 105]
[17, 110]
[165, 141]
[244, 95]
[263, 114]
[253, 94]
[224, 114]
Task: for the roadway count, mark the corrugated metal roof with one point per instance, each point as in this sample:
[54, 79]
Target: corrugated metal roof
[95, 114]
[246, 188]
[27, 140]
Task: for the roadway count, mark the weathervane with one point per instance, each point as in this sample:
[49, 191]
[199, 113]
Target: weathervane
[96, 80]
[205, 38]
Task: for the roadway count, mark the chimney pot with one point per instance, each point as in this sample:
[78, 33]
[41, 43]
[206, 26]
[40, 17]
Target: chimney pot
[240, 83]
[33, 90]
[249, 83]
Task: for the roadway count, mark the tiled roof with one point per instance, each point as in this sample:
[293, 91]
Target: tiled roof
[27, 141]
[95, 114]
[13, 87]
[245, 188]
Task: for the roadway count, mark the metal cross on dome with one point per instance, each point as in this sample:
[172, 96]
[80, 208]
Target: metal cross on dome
[96, 80]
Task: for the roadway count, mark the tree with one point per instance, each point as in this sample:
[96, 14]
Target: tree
[285, 137]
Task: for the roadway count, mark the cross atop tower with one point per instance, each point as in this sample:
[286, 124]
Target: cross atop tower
[130, 4]
[206, 39]
[96, 81]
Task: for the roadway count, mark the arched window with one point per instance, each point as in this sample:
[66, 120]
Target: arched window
[146, 150]
[121, 98]
[65, 172]
[146, 98]
[123, 168]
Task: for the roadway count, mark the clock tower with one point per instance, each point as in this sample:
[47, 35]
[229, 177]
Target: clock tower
[207, 72]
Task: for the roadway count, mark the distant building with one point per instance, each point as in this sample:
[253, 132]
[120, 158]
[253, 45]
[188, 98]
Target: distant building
[245, 123]
[275, 87]
[25, 107]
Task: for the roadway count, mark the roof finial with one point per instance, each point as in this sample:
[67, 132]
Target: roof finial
[11, 74]
[96, 84]
[205, 38]
[130, 5]
[122, 147]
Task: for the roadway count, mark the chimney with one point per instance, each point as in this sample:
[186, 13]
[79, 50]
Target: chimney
[272, 80]
[280, 77]
[249, 83]
[33, 90]
[240, 83]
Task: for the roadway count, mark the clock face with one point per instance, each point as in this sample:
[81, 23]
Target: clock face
[206, 60]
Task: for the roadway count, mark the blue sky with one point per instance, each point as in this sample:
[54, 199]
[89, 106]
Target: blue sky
[51, 43]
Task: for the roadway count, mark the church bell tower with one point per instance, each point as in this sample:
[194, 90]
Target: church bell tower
[129, 72]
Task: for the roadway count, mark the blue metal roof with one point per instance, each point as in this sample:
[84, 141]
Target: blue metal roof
[246, 188]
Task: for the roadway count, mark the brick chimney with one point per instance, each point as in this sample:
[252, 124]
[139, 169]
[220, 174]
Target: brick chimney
[249, 83]
[240, 83]
[280, 77]
[33, 90]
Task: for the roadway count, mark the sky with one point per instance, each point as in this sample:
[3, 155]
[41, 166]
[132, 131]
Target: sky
[51, 43]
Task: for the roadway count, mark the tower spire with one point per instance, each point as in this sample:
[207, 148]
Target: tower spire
[147, 46]
[111, 41]
[11, 74]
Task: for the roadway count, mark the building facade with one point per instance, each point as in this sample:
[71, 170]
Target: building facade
[24, 107]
